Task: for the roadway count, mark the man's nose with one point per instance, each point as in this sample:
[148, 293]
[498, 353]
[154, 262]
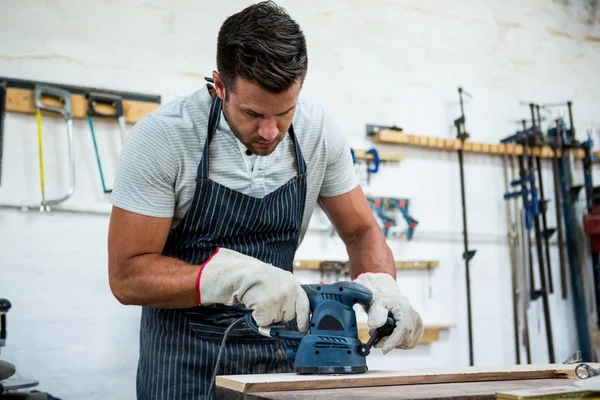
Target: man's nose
[268, 129]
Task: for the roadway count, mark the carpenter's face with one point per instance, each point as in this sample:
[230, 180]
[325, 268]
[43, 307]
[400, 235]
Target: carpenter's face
[258, 118]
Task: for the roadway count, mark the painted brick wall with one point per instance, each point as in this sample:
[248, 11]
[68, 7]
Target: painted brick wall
[386, 62]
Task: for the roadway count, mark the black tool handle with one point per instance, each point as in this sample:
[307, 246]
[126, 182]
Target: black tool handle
[383, 331]
[112, 100]
[4, 307]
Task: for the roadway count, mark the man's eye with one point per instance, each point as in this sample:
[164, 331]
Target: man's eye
[252, 114]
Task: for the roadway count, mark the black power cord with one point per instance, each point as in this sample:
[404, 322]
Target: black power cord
[214, 375]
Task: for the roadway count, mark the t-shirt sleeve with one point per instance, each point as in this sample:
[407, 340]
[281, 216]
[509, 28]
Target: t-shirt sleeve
[146, 171]
[339, 176]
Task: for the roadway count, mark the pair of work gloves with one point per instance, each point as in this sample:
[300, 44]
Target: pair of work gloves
[275, 295]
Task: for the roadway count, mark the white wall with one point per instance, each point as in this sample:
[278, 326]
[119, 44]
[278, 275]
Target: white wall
[386, 62]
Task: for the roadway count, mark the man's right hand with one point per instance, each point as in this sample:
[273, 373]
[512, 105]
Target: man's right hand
[273, 294]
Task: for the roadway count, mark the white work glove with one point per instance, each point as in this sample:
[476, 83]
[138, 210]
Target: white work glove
[387, 298]
[273, 294]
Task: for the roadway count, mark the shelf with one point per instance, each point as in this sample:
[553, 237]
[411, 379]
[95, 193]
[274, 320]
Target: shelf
[406, 265]
[431, 333]
[360, 154]
[22, 101]
[20, 98]
[389, 136]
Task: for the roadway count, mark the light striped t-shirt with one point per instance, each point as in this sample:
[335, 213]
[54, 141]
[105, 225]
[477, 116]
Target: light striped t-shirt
[159, 161]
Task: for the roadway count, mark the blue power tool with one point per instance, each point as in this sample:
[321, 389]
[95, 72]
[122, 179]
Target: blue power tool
[332, 345]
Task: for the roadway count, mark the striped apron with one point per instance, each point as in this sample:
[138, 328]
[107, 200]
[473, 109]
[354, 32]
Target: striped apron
[179, 347]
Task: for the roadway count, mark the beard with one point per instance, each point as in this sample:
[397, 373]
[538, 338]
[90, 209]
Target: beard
[254, 145]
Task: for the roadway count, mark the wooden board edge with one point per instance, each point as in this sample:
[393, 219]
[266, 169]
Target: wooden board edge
[226, 382]
[550, 371]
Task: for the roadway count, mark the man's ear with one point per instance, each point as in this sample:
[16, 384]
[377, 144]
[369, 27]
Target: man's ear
[219, 87]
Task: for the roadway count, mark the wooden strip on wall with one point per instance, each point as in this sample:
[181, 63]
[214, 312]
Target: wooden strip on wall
[397, 137]
[361, 154]
[22, 101]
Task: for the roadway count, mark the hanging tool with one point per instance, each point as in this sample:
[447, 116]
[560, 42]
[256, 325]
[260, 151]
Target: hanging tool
[402, 206]
[564, 141]
[512, 248]
[523, 267]
[96, 99]
[532, 211]
[385, 209]
[528, 206]
[468, 254]
[3, 85]
[532, 139]
[376, 163]
[378, 205]
[64, 97]
[554, 143]
[546, 232]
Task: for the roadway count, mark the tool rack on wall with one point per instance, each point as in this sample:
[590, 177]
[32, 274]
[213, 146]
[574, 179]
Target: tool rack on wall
[389, 136]
[540, 150]
[17, 95]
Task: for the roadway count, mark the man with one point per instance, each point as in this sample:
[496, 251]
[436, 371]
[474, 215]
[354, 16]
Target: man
[209, 211]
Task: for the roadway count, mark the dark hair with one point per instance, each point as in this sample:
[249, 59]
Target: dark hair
[264, 45]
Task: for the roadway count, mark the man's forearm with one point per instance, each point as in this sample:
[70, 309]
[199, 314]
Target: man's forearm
[154, 280]
[369, 252]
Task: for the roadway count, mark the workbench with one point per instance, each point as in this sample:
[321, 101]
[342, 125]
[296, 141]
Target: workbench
[467, 390]
[426, 383]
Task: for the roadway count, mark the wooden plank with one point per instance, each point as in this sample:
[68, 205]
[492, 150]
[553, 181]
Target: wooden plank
[361, 154]
[279, 382]
[431, 333]
[22, 101]
[401, 138]
[408, 265]
[466, 390]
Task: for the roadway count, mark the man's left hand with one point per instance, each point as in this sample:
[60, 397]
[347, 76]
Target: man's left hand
[387, 298]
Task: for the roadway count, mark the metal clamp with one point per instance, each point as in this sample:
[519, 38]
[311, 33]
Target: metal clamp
[66, 110]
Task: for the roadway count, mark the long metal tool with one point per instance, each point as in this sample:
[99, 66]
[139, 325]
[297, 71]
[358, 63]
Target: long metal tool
[546, 232]
[523, 271]
[512, 249]
[468, 254]
[96, 100]
[559, 221]
[571, 242]
[538, 244]
[64, 97]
